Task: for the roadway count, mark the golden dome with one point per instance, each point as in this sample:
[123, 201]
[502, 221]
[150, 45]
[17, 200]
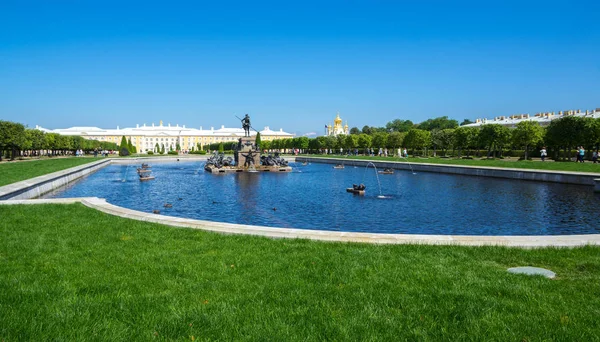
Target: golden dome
[337, 120]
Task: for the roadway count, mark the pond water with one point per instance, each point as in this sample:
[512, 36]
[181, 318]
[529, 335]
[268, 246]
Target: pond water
[314, 197]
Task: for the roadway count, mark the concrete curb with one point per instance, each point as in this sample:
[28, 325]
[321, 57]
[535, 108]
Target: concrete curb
[533, 241]
[565, 177]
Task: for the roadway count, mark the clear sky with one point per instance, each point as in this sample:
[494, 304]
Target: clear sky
[293, 64]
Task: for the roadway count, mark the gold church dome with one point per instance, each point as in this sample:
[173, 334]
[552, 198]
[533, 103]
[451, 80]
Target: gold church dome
[337, 120]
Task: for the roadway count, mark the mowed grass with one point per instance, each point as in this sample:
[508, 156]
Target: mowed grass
[16, 171]
[68, 272]
[588, 166]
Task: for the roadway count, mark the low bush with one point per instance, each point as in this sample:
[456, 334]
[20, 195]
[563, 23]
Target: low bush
[173, 152]
[150, 152]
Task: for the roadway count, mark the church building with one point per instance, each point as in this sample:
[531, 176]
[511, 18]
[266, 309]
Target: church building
[337, 128]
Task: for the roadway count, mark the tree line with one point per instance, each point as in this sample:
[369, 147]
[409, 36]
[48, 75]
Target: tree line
[16, 140]
[442, 134]
[438, 134]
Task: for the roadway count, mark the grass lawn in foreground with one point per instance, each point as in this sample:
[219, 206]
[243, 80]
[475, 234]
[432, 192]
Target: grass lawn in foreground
[16, 171]
[502, 163]
[68, 272]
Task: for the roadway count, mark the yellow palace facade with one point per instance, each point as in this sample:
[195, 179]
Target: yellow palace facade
[145, 138]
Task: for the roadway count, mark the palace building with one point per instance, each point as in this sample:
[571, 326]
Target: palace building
[337, 128]
[145, 138]
[543, 118]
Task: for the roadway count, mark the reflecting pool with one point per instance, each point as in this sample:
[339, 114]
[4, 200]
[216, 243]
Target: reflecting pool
[314, 197]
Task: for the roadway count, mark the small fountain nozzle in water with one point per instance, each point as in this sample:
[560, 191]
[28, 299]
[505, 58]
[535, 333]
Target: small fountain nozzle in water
[377, 175]
[411, 168]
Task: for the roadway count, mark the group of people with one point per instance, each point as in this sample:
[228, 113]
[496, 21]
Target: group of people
[580, 154]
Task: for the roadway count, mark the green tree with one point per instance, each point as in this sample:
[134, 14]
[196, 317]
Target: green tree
[466, 138]
[380, 139]
[162, 148]
[398, 125]
[38, 139]
[442, 139]
[418, 139]
[466, 122]
[567, 132]
[177, 146]
[258, 141]
[130, 146]
[64, 143]
[12, 137]
[351, 141]
[266, 145]
[51, 142]
[367, 130]
[527, 133]
[354, 130]
[439, 123]
[303, 143]
[331, 142]
[365, 141]
[395, 139]
[221, 148]
[124, 147]
[494, 136]
[320, 143]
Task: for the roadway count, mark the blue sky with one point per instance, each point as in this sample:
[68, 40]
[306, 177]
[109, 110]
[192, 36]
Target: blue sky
[293, 65]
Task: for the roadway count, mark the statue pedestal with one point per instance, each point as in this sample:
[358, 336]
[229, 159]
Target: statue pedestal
[246, 147]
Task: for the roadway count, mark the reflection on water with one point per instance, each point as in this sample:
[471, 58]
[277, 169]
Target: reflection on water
[425, 203]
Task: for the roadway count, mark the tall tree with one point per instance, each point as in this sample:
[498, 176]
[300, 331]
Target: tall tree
[12, 137]
[365, 141]
[395, 139]
[439, 123]
[303, 143]
[465, 138]
[466, 122]
[567, 133]
[494, 136]
[398, 125]
[527, 133]
[367, 130]
[351, 141]
[380, 139]
[442, 139]
[417, 139]
[258, 141]
[124, 147]
[354, 130]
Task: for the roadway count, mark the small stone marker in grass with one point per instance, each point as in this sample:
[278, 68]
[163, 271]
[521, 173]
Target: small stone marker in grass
[528, 270]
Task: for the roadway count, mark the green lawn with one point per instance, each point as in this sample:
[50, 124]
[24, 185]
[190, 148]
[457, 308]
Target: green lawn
[17, 171]
[71, 273]
[506, 163]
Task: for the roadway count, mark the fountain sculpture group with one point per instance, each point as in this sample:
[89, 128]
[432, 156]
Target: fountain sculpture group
[247, 157]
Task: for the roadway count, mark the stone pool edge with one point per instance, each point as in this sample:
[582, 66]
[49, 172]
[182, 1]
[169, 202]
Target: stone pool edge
[563, 177]
[529, 241]
[38, 186]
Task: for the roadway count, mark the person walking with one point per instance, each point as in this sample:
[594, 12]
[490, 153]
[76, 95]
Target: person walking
[595, 156]
[543, 153]
[581, 154]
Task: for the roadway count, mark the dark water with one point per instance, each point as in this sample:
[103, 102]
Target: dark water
[314, 197]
